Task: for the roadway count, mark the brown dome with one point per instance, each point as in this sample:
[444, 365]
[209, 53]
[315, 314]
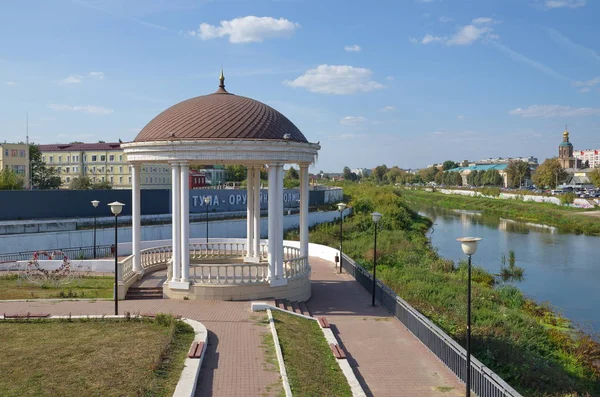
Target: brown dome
[220, 116]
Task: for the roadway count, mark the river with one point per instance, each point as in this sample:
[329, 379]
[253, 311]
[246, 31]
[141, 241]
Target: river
[561, 269]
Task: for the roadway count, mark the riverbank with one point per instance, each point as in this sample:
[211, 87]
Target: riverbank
[566, 219]
[529, 346]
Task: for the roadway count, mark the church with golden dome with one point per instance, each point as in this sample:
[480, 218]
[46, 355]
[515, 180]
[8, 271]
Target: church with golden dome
[565, 153]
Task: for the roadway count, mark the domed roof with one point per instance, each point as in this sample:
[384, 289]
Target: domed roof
[220, 116]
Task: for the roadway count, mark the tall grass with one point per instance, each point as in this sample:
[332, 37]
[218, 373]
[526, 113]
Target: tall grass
[527, 344]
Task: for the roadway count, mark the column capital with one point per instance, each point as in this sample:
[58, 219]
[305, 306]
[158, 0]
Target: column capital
[135, 165]
[175, 164]
[303, 165]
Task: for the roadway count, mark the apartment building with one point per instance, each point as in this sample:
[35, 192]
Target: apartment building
[592, 156]
[16, 157]
[101, 162]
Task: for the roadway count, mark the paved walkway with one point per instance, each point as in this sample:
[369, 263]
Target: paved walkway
[235, 364]
[387, 359]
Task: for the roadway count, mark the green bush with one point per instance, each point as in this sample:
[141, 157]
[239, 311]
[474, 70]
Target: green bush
[567, 198]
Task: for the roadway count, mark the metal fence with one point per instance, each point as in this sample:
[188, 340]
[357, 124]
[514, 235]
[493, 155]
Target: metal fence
[102, 251]
[484, 382]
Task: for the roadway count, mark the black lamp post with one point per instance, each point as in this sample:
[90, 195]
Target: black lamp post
[95, 204]
[469, 247]
[376, 218]
[341, 208]
[207, 203]
[116, 209]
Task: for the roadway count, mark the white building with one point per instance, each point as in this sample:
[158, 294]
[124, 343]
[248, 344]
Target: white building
[361, 171]
[591, 155]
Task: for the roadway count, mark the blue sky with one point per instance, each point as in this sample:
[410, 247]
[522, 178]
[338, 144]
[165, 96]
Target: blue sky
[403, 83]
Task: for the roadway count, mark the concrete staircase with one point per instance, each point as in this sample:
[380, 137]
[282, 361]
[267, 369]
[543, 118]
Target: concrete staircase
[296, 307]
[144, 293]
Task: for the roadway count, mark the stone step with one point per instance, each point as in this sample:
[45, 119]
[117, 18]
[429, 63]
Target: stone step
[145, 289]
[304, 309]
[139, 297]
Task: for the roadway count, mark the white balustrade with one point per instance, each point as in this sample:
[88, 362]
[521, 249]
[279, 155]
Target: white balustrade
[237, 273]
[125, 271]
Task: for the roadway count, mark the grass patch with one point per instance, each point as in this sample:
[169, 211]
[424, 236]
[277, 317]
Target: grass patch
[533, 349]
[87, 287]
[311, 367]
[93, 357]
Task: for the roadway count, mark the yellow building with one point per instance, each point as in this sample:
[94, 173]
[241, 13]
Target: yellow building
[101, 162]
[16, 157]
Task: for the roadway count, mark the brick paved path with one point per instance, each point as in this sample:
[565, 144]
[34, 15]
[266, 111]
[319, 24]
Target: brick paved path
[387, 359]
[235, 363]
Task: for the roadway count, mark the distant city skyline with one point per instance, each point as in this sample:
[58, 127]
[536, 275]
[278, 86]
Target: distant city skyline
[398, 83]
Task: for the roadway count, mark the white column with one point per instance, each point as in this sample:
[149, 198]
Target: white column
[250, 212]
[185, 221]
[272, 214]
[176, 228]
[256, 213]
[279, 225]
[303, 210]
[136, 215]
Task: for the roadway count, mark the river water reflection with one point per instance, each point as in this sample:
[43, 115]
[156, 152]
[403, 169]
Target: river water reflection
[562, 269]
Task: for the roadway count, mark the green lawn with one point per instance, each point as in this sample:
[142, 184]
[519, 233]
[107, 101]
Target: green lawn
[11, 287]
[311, 367]
[93, 357]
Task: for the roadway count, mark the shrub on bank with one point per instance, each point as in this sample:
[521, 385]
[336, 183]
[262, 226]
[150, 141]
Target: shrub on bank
[523, 346]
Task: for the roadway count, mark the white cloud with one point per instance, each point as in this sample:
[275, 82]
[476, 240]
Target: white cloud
[352, 48]
[246, 29]
[388, 109]
[584, 89]
[86, 109]
[479, 29]
[353, 120]
[97, 75]
[460, 117]
[547, 111]
[564, 3]
[389, 78]
[72, 79]
[432, 39]
[10, 83]
[437, 132]
[336, 79]
[589, 83]
[444, 19]
[523, 59]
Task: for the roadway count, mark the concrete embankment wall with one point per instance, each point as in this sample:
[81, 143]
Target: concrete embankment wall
[578, 202]
[234, 228]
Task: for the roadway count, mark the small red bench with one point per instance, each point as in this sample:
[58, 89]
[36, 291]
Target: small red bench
[337, 351]
[323, 322]
[196, 350]
[28, 315]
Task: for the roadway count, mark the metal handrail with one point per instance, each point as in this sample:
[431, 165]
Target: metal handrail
[485, 383]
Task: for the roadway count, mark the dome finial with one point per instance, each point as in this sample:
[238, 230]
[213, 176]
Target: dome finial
[222, 79]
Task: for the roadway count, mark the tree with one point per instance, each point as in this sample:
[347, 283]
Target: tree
[10, 180]
[492, 178]
[42, 177]
[101, 185]
[236, 173]
[586, 164]
[428, 174]
[80, 183]
[291, 173]
[448, 165]
[394, 175]
[594, 176]
[347, 174]
[549, 174]
[517, 171]
[379, 172]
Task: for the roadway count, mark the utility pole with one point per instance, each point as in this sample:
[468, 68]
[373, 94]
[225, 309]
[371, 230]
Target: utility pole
[29, 170]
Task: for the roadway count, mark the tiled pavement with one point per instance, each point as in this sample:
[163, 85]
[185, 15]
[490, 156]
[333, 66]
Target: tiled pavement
[387, 359]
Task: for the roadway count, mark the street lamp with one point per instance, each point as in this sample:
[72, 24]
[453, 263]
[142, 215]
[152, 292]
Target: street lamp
[116, 208]
[341, 208]
[207, 203]
[469, 247]
[95, 204]
[376, 218]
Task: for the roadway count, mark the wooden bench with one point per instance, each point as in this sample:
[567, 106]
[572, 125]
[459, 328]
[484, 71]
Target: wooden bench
[337, 351]
[196, 350]
[323, 322]
[28, 315]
